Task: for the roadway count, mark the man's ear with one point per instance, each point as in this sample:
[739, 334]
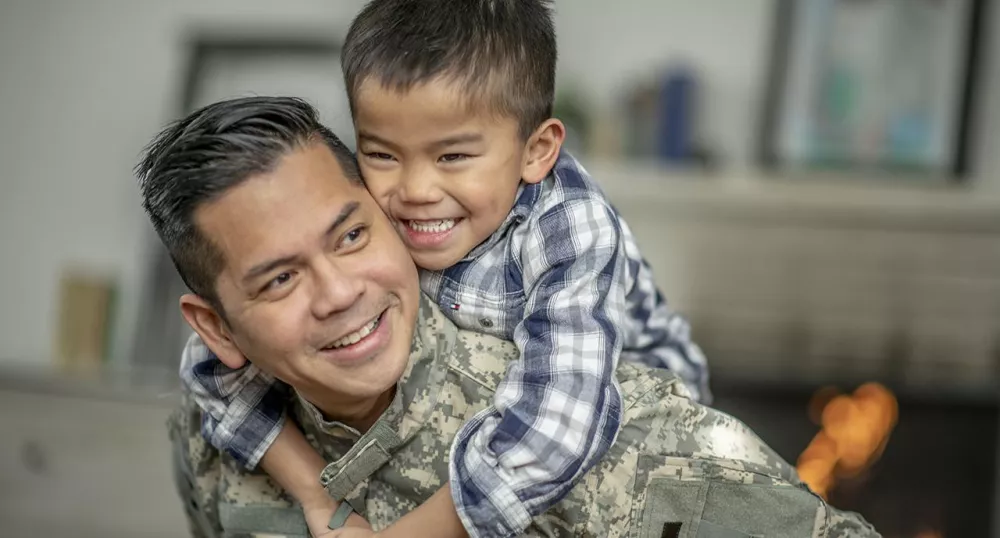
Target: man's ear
[542, 150]
[212, 329]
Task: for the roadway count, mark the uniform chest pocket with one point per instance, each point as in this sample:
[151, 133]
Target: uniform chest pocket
[262, 521]
[492, 313]
[692, 498]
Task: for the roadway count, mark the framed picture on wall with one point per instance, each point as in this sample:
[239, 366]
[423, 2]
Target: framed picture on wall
[222, 66]
[873, 84]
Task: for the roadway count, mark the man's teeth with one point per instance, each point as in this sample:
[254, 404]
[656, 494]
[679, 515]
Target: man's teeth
[431, 226]
[356, 336]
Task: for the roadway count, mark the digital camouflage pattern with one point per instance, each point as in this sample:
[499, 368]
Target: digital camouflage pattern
[678, 469]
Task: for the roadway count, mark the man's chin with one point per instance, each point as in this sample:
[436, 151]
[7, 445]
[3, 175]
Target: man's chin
[337, 381]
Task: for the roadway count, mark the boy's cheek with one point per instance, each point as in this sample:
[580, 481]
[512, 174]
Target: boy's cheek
[380, 192]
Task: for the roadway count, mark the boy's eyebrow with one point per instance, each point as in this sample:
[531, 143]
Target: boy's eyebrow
[448, 141]
[461, 138]
[374, 138]
[270, 265]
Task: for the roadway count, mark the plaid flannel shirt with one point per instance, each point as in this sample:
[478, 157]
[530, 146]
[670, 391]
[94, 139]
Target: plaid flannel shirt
[563, 278]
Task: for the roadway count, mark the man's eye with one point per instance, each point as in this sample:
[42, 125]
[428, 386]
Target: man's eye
[278, 281]
[453, 157]
[353, 237]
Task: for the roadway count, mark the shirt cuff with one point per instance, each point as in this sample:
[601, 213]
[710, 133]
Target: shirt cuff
[486, 504]
[253, 459]
[246, 445]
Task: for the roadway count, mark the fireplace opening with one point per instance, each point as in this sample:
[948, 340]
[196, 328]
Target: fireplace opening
[853, 432]
[915, 465]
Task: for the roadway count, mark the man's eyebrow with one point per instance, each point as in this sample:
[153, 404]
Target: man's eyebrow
[345, 213]
[268, 266]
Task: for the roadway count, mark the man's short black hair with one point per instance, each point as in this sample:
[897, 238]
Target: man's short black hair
[501, 52]
[198, 158]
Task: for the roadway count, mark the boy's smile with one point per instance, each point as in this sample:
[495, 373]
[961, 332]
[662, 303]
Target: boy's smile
[445, 170]
[428, 234]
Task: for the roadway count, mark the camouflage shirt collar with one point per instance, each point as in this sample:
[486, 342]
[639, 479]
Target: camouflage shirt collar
[417, 388]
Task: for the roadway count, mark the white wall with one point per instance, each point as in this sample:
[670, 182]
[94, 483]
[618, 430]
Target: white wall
[83, 85]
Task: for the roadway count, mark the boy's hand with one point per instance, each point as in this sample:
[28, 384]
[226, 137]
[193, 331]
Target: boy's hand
[352, 532]
[436, 518]
[295, 465]
[318, 518]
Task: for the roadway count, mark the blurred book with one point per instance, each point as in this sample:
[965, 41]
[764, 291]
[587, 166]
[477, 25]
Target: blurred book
[662, 120]
[86, 304]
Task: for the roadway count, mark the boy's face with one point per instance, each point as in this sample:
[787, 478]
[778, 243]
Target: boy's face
[445, 173]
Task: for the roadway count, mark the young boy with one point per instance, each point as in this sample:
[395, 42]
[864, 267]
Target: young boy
[452, 104]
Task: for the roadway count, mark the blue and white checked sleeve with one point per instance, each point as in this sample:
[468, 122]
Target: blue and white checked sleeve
[244, 409]
[673, 349]
[558, 411]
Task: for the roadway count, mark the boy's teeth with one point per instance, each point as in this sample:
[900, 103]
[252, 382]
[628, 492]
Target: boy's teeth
[432, 226]
[356, 336]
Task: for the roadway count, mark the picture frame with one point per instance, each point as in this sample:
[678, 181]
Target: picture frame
[882, 86]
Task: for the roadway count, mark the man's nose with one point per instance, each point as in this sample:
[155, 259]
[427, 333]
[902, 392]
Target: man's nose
[420, 186]
[337, 289]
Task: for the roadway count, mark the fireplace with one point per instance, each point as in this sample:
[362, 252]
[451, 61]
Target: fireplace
[934, 478]
[797, 281]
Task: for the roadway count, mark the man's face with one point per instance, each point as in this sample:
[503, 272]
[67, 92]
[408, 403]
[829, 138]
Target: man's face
[317, 288]
[445, 173]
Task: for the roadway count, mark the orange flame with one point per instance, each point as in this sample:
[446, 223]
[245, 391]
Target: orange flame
[855, 430]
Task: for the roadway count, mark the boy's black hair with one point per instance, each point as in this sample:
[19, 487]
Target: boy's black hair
[198, 158]
[501, 52]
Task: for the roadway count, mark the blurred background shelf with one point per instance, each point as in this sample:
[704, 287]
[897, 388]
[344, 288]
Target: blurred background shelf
[79, 461]
[878, 197]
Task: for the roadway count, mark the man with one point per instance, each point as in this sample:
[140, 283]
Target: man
[297, 274]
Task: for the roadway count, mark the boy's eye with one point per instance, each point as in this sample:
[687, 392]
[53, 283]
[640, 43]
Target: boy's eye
[379, 155]
[453, 157]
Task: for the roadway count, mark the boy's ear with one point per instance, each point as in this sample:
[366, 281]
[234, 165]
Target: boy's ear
[212, 329]
[542, 150]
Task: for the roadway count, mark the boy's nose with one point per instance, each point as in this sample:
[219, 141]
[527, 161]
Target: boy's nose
[420, 189]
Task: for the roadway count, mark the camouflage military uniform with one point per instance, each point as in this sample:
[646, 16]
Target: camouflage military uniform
[678, 469]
